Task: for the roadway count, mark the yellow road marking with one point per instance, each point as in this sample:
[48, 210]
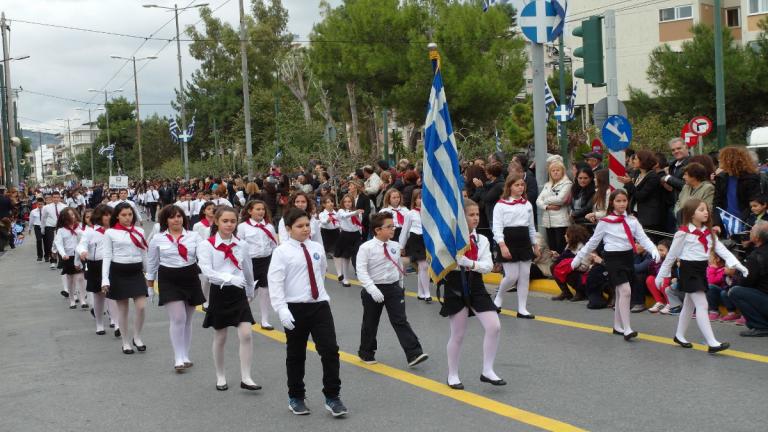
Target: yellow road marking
[608, 330]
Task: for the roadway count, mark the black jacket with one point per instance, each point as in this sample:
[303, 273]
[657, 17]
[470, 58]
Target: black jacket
[364, 203]
[489, 195]
[651, 211]
[581, 204]
[166, 195]
[676, 175]
[757, 264]
[748, 187]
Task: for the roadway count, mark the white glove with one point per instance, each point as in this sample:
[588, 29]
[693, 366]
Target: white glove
[464, 262]
[375, 293]
[655, 255]
[659, 282]
[575, 264]
[286, 318]
[150, 292]
[743, 270]
[237, 281]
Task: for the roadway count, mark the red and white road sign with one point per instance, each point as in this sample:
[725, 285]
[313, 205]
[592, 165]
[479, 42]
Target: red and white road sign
[597, 146]
[690, 138]
[701, 126]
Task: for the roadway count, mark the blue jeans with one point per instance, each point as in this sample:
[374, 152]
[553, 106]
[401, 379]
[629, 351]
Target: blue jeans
[753, 304]
[717, 296]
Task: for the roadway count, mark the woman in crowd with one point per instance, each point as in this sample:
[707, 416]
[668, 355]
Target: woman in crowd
[600, 200]
[736, 181]
[646, 200]
[697, 186]
[553, 201]
[582, 195]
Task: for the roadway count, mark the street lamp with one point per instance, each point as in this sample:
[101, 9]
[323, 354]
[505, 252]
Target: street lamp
[106, 111]
[13, 172]
[176, 10]
[69, 134]
[138, 115]
[90, 128]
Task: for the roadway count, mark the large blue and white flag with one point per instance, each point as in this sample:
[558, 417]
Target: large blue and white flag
[174, 129]
[446, 236]
[488, 3]
[732, 224]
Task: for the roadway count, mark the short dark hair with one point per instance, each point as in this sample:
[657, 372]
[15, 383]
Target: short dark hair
[377, 220]
[119, 208]
[697, 171]
[494, 169]
[760, 199]
[292, 215]
[56, 193]
[168, 212]
[99, 212]
[647, 159]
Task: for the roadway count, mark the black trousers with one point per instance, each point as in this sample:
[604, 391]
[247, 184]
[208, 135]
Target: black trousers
[50, 232]
[597, 284]
[152, 206]
[39, 241]
[556, 239]
[394, 301]
[312, 319]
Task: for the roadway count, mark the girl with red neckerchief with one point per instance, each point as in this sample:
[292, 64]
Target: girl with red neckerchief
[203, 229]
[350, 238]
[66, 240]
[91, 251]
[412, 241]
[259, 234]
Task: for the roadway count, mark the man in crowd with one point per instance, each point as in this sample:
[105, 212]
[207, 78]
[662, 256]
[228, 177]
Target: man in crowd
[594, 160]
[751, 294]
[675, 176]
[166, 194]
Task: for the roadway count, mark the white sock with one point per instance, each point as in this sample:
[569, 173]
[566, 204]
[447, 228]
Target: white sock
[453, 349]
[98, 310]
[339, 264]
[523, 280]
[492, 326]
[510, 278]
[623, 297]
[188, 331]
[178, 319]
[219, 340]
[702, 318]
[265, 305]
[423, 276]
[244, 333]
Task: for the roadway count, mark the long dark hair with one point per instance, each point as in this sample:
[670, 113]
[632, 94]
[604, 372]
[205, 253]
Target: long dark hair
[603, 185]
[168, 212]
[67, 218]
[205, 205]
[613, 196]
[589, 191]
[220, 212]
[246, 212]
[310, 202]
[688, 210]
[118, 208]
[99, 212]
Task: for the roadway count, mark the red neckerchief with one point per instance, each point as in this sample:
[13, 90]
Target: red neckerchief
[400, 217]
[82, 226]
[417, 209]
[332, 219]
[227, 249]
[182, 249]
[622, 220]
[389, 257]
[136, 237]
[205, 222]
[472, 252]
[356, 221]
[702, 235]
[262, 227]
[513, 202]
[72, 230]
[99, 229]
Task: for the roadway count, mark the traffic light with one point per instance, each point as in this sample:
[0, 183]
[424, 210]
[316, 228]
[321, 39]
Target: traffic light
[591, 32]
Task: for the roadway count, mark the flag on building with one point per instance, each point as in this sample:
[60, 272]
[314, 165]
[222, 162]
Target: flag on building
[731, 223]
[173, 128]
[442, 207]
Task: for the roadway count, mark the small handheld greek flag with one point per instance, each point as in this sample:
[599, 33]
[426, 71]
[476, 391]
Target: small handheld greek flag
[446, 235]
[731, 223]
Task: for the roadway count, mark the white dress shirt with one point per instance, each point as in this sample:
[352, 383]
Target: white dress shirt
[222, 271]
[34, 217]
[394, 211]
[686, 247]
[325, 220]
[165, 252]
[258, 242]
[92, 243]
[203, 231]
[373, 266]
[288, 275]
[66, 243]
[314, 231]
[615, 239]
[136, 211]
[484, 262]
[118, 247]
[151, 196]
[187, 206]
[345, 220]
[50, 214]
[412, 225]
[222, 201]
[517, 215]
[240, 197]
[373, 184]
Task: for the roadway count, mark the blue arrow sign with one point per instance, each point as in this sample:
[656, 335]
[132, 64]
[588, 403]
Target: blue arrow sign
[542, 20]
[617, 133]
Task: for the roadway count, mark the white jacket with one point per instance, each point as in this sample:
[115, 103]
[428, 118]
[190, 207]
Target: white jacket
[557, 194]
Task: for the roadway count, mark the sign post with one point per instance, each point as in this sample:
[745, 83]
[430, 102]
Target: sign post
[701, 126]
[617, 134]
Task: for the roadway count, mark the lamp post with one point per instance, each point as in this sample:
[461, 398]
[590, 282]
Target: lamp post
[12, 175]
[138, 116]
[69, 136]
[106, 113]
[90, 129]
[182, 104]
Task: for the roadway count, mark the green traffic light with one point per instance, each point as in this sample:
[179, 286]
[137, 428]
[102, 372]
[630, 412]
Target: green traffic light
[591, 32]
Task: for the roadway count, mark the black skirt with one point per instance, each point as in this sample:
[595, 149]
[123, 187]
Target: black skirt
[330, 236]
[693, 276]
[68, 266]
[347, 244]
[260, 270]
[180, 284]
[454, 299]
[415, 248]
[227, 307]
[126, 281]
[620, 266]
[93, 276]
[518, 241]
[398, 230]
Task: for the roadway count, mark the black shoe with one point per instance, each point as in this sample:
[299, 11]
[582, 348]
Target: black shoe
[341, 278]
[101, 332]
[85, 306]
[222, 387]
[616, 332]
[297, 406]
[179, 368]
[335, 406]
[245, 386]
[39, 259]
[529, 316]
[498, 382]
[577, 298]
[754, 333]
[630, 336]
[428, 300]
[458, 386]
[111, 325]
[369, 360]
[141, 348]
[117, 333]
[93, 314]
[346, 285]
[64, 294]
[561, 297]
[127, 350]
[73, 306]
[681, 343]
[722, 347]
[421, 358]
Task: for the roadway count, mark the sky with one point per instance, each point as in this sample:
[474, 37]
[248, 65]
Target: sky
[65, 63]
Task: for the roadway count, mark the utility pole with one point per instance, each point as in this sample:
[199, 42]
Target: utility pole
[138, 120]
[719, 76]
[386, 132]
[11, 117]
[246, 91]
[181, 95]
[42, 162]
[563, 125]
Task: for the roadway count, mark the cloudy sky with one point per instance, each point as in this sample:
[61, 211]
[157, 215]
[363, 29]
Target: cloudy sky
[65, 63]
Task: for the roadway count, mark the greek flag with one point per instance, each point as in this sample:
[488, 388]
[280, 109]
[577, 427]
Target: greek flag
[572, 101]
[498, 141]
[191, 130]
[107, 150]
[173, 128]
[442, 208]
[488, 3]
[731, 223]
[276, 159]
[549, 98]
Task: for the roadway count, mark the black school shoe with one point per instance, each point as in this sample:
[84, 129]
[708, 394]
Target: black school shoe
[722, 347]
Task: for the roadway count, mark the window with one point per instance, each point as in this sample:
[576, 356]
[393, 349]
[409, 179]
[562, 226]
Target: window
[733, 17]
[758, 6]
[677, 13]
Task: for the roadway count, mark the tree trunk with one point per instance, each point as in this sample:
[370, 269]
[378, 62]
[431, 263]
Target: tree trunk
[354, 135]
[304, 98]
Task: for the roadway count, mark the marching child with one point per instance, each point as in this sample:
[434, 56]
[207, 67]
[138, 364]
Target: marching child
[298, 294]
[66, 240]
[203, 229]
[260, 239]
[412, 244]
[91, 251]
[301, 201]
[329, 226]
[392, 204]
[35, 223]
[349, 239]
[224, 259]
[692, 245]
[619, 231]
[460, 303]
[382, 277]
[515, 233]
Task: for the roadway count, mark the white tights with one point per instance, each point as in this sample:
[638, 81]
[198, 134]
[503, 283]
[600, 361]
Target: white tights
[246, 352]
[696, 300]
[344, 268]
[265, 305]
[98, 310]
[621, 312]
[492, 327]
[515, 273]
[423, 280]
[206, 286]
[139, 303]
[74, 284]
[180, 316]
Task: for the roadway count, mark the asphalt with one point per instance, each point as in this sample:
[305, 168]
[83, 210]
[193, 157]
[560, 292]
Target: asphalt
[565, 371]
